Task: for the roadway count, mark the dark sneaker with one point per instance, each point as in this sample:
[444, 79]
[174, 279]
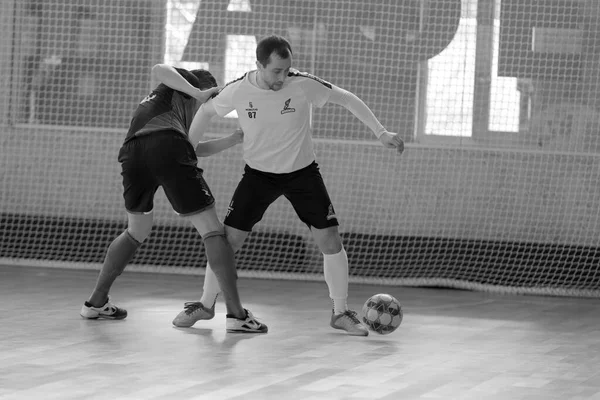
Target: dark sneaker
[107, 311]
[193, 311]
[349, 323]
[245, 325]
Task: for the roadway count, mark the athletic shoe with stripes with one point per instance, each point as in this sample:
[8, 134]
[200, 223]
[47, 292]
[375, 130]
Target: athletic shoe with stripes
[107, 311]
[245, 325]
[193, 311]
[348, 321]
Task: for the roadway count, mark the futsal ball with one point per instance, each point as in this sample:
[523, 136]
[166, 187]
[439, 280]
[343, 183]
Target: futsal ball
[382, 313]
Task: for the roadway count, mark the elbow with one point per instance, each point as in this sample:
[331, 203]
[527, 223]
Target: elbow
[157, 71]
[202, 152]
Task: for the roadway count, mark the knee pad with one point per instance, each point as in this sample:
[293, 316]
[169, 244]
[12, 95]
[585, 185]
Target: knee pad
[139, 229]
[213, 234]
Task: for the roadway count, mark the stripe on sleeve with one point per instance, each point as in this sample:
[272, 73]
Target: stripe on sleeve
[310, 76]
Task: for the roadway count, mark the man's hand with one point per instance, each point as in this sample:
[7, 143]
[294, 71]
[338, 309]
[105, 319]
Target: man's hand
[204, 95]
[238, 136]
[392, 140]
[209, 147]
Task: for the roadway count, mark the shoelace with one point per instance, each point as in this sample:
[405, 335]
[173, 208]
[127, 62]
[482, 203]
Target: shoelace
[192, 306]
[352, 315]
[252, 319]
[250, 316]
[110, 308]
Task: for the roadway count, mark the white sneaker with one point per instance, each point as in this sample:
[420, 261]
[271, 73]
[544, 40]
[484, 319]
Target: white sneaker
[107, 311]
[245, 325]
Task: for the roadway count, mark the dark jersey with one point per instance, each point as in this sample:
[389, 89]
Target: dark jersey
[168, 109]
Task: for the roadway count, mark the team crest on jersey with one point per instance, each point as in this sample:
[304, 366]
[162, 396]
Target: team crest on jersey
[287, 108]
[148, 98]
[251, 107]
[251, 110]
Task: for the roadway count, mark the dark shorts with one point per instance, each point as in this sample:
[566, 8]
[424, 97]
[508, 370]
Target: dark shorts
[166, 159]
[304, 188]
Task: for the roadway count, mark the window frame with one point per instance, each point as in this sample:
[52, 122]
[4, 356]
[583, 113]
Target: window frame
[481, 134]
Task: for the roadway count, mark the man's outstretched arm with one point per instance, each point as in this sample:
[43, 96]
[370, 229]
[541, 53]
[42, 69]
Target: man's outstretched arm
[209, 147]
[361, 111]
[200, 123]
[169, 76]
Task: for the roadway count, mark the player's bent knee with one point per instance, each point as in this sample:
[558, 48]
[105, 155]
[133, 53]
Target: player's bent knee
[139, 235]
[328, 239]
[139, 227]
[330, 244]
[235, 237]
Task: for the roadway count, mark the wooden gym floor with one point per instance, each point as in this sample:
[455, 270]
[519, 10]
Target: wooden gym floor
[451, 345]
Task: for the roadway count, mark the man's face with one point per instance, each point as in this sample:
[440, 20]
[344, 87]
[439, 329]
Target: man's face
[275, 72]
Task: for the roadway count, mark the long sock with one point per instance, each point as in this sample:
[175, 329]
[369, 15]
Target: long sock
[211, 288]
[335, 268]
[119, 254]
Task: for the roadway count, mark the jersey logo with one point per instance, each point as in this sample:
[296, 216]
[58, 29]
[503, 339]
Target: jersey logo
[148, 98]
[286, 107]
[229, 208]
[330, 213]
[251, 110]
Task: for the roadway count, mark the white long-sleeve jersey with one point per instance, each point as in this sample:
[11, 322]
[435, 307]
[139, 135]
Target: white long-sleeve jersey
[276, 124]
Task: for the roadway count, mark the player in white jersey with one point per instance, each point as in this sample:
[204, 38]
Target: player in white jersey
[273, 104]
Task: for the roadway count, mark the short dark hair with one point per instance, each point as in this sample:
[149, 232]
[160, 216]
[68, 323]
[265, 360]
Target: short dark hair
[270, 44]
[207, 80]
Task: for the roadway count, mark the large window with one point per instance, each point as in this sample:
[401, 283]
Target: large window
[505, 98]
[181, 15]
[81, 64]
[239, 51]
[89, 66]
[451, 84]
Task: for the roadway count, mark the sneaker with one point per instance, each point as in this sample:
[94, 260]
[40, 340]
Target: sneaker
[349, 323]
[245, 325]
[107, 311]
[193, 311]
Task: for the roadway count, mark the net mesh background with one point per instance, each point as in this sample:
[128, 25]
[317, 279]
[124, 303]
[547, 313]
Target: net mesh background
[497, 102]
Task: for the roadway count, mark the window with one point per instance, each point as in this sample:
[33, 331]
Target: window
[240, 51]
[505, 98]
[451, 84]
[181, 15]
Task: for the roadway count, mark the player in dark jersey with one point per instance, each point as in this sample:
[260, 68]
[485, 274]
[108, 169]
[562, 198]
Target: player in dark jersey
[157, 152]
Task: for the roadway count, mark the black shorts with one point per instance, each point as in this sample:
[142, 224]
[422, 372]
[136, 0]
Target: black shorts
[166, 159]
[304, 188]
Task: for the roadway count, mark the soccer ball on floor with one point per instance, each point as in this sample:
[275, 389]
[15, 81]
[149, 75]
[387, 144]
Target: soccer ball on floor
[382, 313]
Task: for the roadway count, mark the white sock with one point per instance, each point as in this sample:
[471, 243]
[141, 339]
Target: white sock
[211, 288]
[335, 268]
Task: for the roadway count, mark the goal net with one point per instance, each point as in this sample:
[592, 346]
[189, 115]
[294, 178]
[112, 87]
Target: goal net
[497, 102]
